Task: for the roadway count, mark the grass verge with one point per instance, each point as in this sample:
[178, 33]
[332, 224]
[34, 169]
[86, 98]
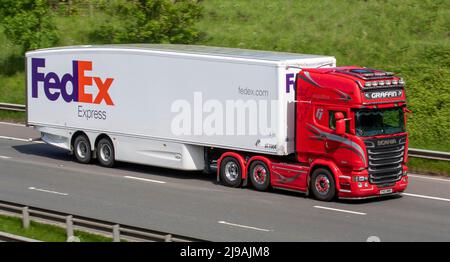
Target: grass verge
[12, 116]
[428, 166]
[12, 88]
[44, 232]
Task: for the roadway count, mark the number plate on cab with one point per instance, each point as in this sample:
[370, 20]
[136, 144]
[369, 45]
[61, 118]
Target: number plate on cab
[385, 191]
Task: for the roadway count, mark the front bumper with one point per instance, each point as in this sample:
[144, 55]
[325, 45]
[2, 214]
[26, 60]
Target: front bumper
[358, 190]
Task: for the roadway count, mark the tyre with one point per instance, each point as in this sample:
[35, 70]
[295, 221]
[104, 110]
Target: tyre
[322, 185]
[105, 152]
[82, 149]
[230, 172]
[259, 175]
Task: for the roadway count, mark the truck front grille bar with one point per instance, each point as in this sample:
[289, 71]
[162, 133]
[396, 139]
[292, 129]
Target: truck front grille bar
[385, 160]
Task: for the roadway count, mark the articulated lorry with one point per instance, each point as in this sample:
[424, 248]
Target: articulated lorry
[266, 119]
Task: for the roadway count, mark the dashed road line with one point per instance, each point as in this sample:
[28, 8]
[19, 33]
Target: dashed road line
[14, 138]
[243, 226]
[341, 210]
[48, 191]
[145, 179]
[5, 157]
[31, 140]
[426, 197]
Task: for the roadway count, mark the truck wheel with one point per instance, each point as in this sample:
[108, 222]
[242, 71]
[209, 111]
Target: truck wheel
[230, 172]
[322, 185]
[259, 175]
[105, 152]
[82, 149]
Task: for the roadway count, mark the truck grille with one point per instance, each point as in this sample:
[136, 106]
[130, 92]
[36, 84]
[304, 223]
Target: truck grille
[385, 160]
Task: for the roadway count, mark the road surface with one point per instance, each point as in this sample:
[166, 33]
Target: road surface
[194, 204]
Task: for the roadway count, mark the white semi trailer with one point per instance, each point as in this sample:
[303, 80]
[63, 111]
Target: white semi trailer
[162, 105]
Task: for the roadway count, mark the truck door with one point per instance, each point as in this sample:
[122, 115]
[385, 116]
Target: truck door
[315, 135]
[333, 143]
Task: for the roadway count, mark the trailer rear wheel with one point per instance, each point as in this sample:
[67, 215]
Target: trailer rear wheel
[105, 152]
[322, 185]
[230, 172]
[82, 149]
[259, 175]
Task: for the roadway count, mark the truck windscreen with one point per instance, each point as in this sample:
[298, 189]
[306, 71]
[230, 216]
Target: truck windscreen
[379, 121]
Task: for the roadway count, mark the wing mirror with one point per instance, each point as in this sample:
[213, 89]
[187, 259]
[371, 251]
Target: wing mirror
[340, 123]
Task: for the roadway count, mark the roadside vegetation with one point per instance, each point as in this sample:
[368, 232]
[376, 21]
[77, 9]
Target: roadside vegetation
[44, 232]
[409, 37]
[428, 166]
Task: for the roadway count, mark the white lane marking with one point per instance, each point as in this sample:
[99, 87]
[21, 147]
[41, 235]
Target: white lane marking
[145, 179]
[11, 124]
[21, 139]
[48, 191]
[427, 197]
[243, 226]
[5, 157]
[14, 138]
[341, 210]
[430, 178]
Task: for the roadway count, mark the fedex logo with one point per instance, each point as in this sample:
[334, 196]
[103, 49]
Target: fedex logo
[55, 87]
[290, 82]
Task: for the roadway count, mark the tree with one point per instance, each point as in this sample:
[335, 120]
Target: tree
[28, 23]
[148, 21]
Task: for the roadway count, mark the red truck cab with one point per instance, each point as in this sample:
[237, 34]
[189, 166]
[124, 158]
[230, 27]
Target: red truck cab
[350, 139]
[351, 125]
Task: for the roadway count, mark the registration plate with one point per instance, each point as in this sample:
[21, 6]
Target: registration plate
[385, 191]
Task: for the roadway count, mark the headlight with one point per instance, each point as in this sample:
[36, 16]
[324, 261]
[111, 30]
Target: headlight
[359, 178]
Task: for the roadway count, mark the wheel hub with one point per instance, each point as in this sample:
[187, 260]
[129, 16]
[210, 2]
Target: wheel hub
[105, 152]
[82, 149]
[322, 184]
[231, 171]
[260, 174]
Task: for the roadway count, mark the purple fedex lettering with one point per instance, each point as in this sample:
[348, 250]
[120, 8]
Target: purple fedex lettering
[289, 82]
[51, 82]
[53, 86]
[74, 80]
[35, 75]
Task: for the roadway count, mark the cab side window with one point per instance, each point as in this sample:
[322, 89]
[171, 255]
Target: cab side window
[332, 120]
